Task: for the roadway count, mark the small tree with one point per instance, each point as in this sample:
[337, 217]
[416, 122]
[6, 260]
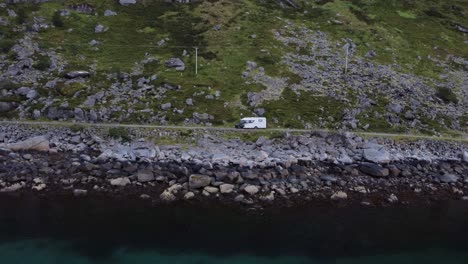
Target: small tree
[57, 20]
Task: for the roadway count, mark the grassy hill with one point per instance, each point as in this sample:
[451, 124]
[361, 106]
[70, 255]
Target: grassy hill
[420, 45]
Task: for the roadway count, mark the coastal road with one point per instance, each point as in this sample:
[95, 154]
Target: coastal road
[462, 138]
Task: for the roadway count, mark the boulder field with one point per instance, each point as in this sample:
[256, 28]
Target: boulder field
[301, 167]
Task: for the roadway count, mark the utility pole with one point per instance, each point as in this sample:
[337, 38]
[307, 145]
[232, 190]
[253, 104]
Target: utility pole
[196, 60]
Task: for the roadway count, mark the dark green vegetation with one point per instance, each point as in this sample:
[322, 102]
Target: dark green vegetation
[229, 33]
[119, 133]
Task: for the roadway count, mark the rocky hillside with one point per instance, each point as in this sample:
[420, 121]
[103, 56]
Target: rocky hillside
[133, 61]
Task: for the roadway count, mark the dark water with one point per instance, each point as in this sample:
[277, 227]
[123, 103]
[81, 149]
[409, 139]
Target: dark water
[66, 230]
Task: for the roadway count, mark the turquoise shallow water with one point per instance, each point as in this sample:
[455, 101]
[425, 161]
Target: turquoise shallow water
[89, 231]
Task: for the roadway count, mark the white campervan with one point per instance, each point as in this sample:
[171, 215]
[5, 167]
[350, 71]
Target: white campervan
[252, 122]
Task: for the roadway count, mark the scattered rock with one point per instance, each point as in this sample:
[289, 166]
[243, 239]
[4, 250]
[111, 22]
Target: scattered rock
[340, 195]
[80, 192]
[145, 176]
[6, 106]
[100, 28]
[127, 2]
[124, 181]
[251, 189]
[39, 143]
[198, 181]
[166, 106]
[110, 12]
[189, 195]
[167, 196]
[39, 187]
[448, 178]
[145, 197]
[77, 74]
[211, 190]
[392, 198]
[374, 169]
[226, 188]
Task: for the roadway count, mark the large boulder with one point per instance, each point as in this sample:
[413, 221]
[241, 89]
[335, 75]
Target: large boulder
[39, 143]
[376, 153]
[374, 170]
[226, 188]
[145, 176]
[176, 63]
[124, 181]
[198, 181]
[251, 189]
[448, 178]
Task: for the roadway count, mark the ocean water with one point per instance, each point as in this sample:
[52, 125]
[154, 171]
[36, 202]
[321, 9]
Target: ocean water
[97, 230]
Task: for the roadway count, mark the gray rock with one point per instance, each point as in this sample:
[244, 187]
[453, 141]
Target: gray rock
[392, 198]
[340, 195]
[465, 156]
[396, 108]
[219, 156]
[259, 111]
[211, 189]
[6, 106]
[80, 192]
[198, 181]
[226, 188]
[32, 94]
[13, 188]
[23, 91]
[93, 43]
[167, 196]
[77, 74]
[99, 28]
[75, 140]
[189, 195]
[90, 101]
[374, 169]
[127, 2]
[448, 178]
[328, 178]
[39, 143]
[176, 63]
[124, 181]
[79, 114]
[145, 176]
[36, 114]
[109, 13]
[250, 65]
[345, 159]
[261, 156]
[251, 189]
[166, 106]
[189, 101]
[376, 154]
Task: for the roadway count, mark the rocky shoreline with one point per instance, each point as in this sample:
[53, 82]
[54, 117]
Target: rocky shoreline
[204, 166]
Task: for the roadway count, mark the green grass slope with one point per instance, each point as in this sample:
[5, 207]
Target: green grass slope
[414, 34]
